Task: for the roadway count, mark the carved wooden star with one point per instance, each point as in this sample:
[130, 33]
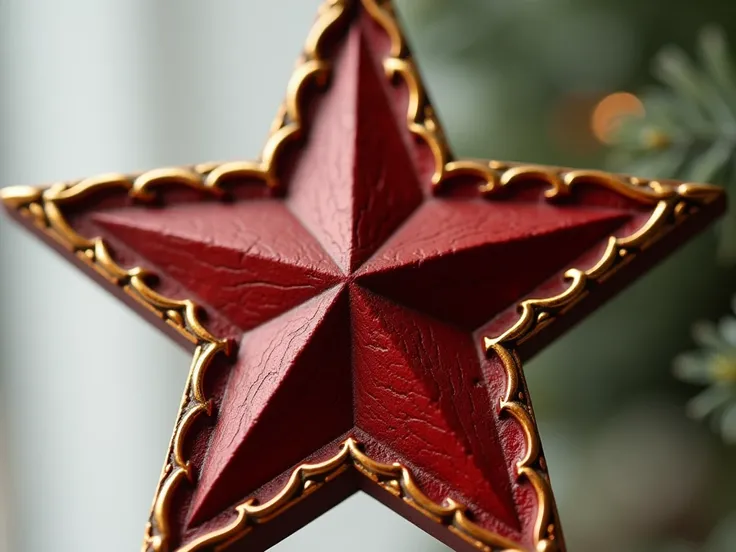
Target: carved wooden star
[358, 302]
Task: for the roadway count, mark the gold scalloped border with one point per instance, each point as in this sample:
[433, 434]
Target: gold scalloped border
[399, 481]
[670, 203]
[421, 117]
[43, 207]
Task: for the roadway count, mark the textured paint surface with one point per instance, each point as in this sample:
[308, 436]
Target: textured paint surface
[355, 183]
[354, 300]
[250, 261]
[462, 260]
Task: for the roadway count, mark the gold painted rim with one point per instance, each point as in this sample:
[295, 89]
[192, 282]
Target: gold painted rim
[670, 202]
[399, 481]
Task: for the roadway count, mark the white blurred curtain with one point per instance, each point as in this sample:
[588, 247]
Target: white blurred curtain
[88, 391]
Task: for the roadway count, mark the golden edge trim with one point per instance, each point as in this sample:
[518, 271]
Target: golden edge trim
[398, 480]
[394, 478]
[421, 117]
[515, 403]
[42, 207]
[670, 203]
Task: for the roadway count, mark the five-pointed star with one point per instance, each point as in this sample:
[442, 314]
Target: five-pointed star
[361, 307]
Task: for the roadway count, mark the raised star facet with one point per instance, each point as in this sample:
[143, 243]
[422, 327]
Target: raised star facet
[351, 289]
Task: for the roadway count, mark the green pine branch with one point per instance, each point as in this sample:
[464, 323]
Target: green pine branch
[688, 132]
[714, 367]
[689, 129]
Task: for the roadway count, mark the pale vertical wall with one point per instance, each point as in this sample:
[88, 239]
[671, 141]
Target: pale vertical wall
[88, 392]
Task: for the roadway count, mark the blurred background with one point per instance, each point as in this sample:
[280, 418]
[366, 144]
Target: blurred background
[88, 393]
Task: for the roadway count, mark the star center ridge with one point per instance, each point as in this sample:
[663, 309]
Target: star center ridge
[359, 302]
[355, 298]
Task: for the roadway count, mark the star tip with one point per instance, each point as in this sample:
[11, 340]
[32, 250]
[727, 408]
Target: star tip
[15, 197]
[701, 192]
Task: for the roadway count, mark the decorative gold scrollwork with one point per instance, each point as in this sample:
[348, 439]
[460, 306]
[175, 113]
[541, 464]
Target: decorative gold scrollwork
[669, 202]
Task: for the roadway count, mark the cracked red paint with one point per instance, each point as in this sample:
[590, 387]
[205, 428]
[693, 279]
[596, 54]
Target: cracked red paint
[355, 300]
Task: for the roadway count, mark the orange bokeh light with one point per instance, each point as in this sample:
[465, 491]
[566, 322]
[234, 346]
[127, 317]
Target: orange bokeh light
[608, 113]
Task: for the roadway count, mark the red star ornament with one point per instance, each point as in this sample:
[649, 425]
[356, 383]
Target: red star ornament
[358, 302]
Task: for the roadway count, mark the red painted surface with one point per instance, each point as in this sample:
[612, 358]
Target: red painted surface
[355, 299]
[249, 261]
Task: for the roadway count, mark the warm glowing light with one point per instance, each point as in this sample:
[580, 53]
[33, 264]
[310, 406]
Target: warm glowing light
[607, 114]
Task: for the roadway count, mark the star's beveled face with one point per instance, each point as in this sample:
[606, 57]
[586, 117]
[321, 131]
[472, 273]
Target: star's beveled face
[357, 295]
[358, 292]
